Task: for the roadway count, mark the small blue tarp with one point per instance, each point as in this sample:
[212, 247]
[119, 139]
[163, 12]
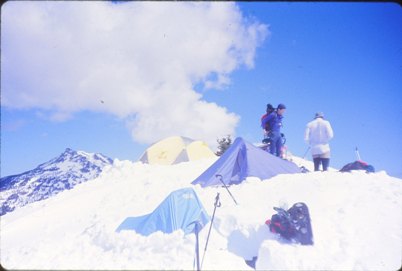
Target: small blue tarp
[180, 210]
[242, 160]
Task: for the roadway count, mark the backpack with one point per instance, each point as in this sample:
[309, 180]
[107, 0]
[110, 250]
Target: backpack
[358, 165]
[266, 127]
[293, 225]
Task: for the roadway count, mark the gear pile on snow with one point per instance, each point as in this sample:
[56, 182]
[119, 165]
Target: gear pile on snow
[358, 165]
[293, 225]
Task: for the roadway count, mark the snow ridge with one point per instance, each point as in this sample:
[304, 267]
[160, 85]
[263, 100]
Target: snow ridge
[50, 178]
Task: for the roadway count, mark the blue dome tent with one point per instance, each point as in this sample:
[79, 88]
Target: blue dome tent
[180, 210]
[242, 160]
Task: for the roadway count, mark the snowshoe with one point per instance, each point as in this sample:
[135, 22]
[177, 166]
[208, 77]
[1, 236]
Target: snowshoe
[300, 219]
[293, 225]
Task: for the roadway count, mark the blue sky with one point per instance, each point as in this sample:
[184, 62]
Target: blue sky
[113, 78]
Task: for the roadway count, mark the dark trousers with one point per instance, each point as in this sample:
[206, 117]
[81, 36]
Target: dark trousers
[275, 146]
[319, 161]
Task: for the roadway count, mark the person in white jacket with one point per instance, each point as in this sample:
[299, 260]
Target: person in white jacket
[318, 134]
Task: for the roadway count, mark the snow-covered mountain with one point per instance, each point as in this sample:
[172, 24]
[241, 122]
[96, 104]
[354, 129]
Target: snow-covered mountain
[48, 179]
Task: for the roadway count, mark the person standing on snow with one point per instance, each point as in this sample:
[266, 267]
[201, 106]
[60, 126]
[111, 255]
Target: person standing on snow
[318, 134]
[274, 121]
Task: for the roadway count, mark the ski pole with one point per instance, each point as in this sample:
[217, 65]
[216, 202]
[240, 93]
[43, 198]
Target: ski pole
[197, 253]
[303, 168]
[220, 178]
[216, 204]
[357, 154]
[304, 156]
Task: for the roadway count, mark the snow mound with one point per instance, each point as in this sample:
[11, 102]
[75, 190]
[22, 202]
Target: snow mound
[356, 219]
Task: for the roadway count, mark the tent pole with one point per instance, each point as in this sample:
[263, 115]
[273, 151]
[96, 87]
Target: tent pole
[216, 204]
[220, 178]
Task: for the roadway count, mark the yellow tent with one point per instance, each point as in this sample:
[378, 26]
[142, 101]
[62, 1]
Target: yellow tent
[176, 149]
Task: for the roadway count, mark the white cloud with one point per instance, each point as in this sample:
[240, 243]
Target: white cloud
[136, 60]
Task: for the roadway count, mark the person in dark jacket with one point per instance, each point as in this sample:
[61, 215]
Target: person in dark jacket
[275, 123]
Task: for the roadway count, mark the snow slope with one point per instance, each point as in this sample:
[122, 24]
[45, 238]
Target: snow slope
[356, 221]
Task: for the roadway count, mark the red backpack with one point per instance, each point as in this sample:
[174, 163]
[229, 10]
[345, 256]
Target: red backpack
[266, 127]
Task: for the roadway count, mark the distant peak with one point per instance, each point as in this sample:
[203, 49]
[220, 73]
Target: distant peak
[72, 154]
[69, 150]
